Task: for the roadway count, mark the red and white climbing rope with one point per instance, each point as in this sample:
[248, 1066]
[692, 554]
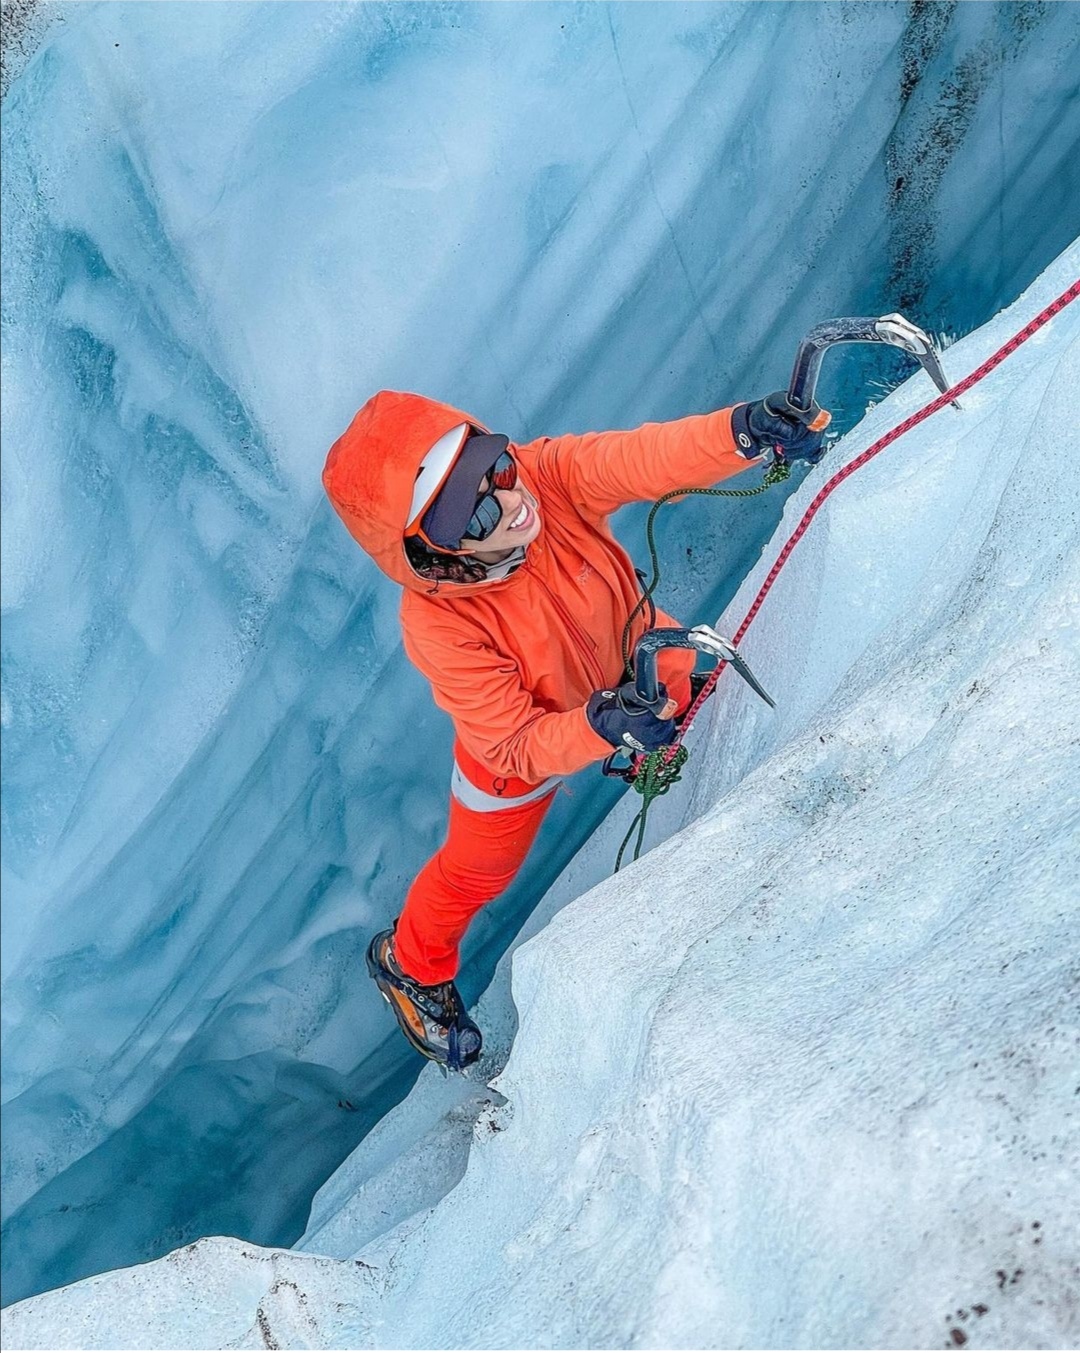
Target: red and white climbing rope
[1044, 317]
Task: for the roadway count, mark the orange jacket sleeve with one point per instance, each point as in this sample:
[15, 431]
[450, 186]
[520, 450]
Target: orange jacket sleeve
[495, 717]
[602, 471]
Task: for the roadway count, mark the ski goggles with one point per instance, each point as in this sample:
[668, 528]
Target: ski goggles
[486, 514]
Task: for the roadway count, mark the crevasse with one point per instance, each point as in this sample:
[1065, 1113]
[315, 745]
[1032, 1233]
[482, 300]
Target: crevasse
[223, 227]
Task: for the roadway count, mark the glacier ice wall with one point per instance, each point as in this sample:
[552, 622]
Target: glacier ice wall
[224, 226]
[831, 1102]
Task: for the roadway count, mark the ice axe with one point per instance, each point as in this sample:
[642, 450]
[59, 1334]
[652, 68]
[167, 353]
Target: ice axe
[894, 330]
[704, 639]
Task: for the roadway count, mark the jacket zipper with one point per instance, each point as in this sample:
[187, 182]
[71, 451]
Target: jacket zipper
[575, 629]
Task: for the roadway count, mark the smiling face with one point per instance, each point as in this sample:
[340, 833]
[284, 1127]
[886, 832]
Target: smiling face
[518, 525]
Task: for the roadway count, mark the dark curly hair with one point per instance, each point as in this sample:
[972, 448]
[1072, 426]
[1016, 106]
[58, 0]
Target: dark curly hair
[442, 568]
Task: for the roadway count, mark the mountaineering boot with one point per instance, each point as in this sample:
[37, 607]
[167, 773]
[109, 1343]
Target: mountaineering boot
[432, 1018]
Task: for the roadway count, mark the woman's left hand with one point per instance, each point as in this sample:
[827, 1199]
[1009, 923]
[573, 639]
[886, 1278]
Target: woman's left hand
[774, 424]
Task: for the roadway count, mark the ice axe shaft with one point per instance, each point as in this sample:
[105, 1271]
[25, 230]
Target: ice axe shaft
[894, 330]
[704, 639]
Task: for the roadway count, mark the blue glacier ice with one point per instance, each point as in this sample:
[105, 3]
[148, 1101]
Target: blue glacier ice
[831, 1100]
[224, 226]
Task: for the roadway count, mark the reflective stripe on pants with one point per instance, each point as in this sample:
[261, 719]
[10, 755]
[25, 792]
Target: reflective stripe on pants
[484, 801]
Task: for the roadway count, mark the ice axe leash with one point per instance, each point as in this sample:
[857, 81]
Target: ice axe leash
[655, 773]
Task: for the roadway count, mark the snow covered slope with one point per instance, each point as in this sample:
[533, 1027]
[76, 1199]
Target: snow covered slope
[806, 1074]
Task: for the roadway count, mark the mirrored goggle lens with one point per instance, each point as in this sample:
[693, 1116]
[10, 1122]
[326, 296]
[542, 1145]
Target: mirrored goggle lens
[504, 472]
[485, 519]
[488, 513]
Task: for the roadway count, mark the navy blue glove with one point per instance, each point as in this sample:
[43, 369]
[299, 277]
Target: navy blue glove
[774, 424]
[624, 720]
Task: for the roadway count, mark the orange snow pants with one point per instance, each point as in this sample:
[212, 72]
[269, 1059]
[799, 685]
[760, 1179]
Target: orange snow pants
[491, 830]
[493, 823]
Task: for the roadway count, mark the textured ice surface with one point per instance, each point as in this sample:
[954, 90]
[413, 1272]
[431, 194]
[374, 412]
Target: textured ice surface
[224, 226]
[805, 1076]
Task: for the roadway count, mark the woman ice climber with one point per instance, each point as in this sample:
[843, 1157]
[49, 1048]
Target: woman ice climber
[515, 599]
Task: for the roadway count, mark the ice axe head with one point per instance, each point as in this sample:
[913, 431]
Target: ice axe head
[893, 329]
[901, 333]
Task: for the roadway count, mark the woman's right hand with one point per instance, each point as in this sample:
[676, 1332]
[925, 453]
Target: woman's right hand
[622, 718]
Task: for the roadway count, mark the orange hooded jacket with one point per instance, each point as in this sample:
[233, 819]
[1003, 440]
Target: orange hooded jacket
[513, 661]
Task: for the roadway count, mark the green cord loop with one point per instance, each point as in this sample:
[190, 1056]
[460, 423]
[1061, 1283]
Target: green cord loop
[777, 472]
[655, 775]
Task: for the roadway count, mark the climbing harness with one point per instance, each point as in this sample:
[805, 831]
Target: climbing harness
[654, 774]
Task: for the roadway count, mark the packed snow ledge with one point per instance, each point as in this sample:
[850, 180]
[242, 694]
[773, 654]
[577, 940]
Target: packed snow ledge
[806, 1074]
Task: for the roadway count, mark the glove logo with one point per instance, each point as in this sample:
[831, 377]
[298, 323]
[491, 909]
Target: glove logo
[745, 441]
[632, 741]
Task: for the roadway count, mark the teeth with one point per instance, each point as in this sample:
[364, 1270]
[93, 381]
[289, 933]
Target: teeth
[520, 518]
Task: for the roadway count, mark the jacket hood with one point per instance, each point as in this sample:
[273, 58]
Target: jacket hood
[372, 468]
